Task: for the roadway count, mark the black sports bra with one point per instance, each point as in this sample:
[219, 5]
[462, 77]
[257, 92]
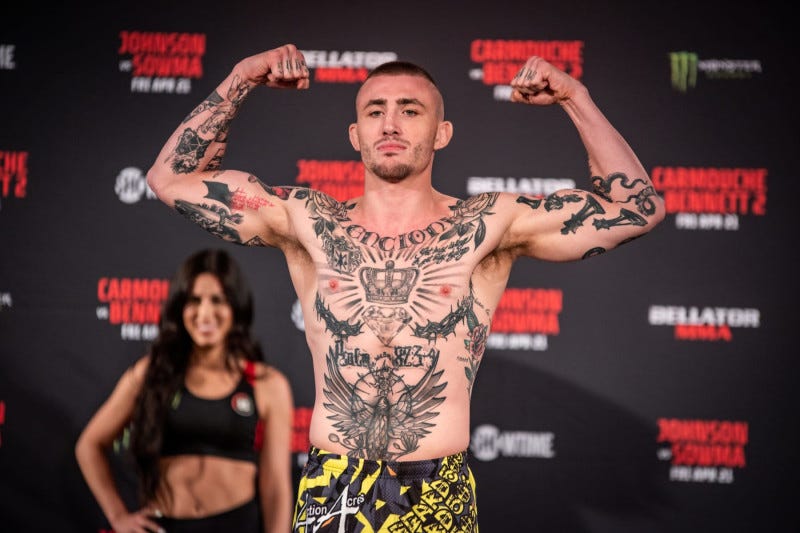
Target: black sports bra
[226, 427]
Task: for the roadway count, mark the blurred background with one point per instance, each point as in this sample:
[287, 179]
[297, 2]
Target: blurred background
[652, 389]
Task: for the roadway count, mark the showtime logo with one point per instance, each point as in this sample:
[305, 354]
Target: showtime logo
[162, 62]
[501, 60]
[131, 186]
[333, 66]
[487, 443]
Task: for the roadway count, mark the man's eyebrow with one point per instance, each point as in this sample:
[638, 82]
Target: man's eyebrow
[375, 101]
[400, 101]
[407, 101]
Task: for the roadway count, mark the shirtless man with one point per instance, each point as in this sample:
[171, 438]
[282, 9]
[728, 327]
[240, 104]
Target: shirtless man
[398, 286]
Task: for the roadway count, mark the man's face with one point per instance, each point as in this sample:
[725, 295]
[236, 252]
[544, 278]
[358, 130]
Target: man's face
[398, 126]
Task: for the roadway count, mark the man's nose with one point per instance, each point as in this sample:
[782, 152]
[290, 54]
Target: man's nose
[390, 125]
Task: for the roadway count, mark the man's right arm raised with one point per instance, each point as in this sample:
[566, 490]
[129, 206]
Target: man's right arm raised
[188, 174]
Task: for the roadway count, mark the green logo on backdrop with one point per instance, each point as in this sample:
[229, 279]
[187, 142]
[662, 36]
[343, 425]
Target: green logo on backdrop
[683, 70]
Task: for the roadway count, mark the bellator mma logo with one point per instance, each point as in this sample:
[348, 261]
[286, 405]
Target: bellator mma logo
[133, 303]
[703, 323]
[332, 66]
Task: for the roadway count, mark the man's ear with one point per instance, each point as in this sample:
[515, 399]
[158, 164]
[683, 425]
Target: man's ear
[354, 137]
[444, 132]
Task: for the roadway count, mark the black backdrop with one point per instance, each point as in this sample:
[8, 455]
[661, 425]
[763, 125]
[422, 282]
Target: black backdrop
[649, 389]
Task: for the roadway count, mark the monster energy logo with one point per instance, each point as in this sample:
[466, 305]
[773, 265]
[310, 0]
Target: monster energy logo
[683, 69]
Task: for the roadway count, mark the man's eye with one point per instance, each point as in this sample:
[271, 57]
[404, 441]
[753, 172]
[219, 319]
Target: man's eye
[374, 113]
[411, 112]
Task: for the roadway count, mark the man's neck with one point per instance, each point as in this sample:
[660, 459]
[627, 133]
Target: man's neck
[396, 207]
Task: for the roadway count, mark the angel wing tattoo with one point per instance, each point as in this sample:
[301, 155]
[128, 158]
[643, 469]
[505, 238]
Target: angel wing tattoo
[380, 415]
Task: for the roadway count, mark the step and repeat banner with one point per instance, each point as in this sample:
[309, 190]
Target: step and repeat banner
[648, 389]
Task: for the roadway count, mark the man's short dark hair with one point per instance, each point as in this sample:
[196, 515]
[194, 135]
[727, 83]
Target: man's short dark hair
[394, 68]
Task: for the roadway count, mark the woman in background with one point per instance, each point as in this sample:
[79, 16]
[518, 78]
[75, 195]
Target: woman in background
[210, 423]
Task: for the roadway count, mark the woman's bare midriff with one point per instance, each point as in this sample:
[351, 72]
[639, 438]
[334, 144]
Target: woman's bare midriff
[204, 485]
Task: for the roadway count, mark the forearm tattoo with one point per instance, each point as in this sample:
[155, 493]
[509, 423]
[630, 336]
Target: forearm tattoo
[193, 143]
[190, 151]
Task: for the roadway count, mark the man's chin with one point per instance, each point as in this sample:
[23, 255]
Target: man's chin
[394, 174]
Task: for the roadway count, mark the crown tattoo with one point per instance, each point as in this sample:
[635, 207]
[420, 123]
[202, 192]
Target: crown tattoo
[388, 285]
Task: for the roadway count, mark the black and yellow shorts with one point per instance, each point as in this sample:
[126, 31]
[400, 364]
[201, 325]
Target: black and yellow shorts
[436, 495]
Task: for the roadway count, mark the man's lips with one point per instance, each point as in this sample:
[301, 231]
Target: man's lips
[390, 146]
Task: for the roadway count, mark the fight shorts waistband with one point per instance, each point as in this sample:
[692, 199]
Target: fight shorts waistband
[385, 496]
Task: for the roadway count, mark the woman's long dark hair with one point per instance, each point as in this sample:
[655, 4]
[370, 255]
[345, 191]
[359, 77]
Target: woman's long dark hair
[171, 350]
